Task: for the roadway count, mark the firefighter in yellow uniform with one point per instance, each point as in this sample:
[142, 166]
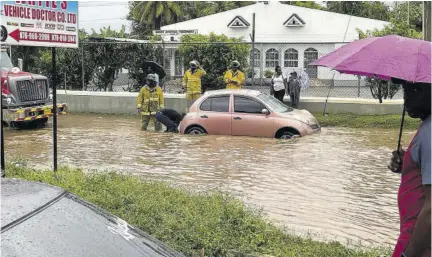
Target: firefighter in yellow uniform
[192, 82]
[150, 100]
[234, 78]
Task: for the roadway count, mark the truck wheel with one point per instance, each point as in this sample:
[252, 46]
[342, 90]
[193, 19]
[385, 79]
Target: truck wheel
[42, 122]
[3, 34]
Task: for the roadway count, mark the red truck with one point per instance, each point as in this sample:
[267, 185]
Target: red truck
[26, 97]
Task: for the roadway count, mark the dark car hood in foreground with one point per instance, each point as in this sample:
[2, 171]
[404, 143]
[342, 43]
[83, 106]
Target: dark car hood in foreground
[43, 220]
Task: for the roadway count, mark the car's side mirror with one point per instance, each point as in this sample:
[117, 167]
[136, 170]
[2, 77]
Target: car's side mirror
[265, 111]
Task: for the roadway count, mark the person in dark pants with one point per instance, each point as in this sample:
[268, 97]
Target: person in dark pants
[294, 89]
[278, 86]
[170, 118]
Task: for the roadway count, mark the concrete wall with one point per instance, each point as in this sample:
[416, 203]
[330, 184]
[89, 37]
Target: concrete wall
[125, 103]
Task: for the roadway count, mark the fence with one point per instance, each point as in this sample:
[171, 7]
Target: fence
[116, 65]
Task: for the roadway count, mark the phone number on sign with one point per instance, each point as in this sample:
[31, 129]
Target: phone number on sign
[47, 37]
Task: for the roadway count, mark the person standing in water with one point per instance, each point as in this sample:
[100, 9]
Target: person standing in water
[234, 78]
[414, 194]
[278, 84]
[150, 100]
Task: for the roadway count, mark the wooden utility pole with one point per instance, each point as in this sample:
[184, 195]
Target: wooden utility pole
[427, 8]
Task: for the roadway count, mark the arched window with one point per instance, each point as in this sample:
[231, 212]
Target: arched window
[272, 58]
[310, 55]
[291, 58]
[256, 57]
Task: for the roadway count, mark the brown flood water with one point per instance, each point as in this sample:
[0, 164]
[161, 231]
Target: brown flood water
[333, 185]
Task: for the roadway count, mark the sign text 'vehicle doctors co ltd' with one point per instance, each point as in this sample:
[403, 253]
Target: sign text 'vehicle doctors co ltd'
[39, 23]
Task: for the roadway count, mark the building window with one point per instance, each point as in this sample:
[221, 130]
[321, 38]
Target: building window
[238, 22]
[272, 58]
[310, 55]
[178, 63]
[256, 57]
[294, 21]
[291, 58]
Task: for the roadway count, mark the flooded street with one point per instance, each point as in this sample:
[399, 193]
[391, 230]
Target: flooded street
[333, 185]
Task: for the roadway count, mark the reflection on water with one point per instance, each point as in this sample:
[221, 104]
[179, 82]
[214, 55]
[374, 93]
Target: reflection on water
[334, 185]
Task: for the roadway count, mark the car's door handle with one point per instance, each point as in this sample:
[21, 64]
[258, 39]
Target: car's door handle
[237, 118]
[204, 117]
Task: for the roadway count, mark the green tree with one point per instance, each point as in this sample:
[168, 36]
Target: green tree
[108, 57]
[214, 57]
[373, 10]
[156, 13]
[306, 4]
[30, 56]
[382, 89]
[400, 24]
[135, 56]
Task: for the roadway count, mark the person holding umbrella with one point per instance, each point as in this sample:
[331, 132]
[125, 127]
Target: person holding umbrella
[150, 71]
[405, 61]
[234, 78]
[294, 89]
[149, 101]
[415, 166]
[192, 82]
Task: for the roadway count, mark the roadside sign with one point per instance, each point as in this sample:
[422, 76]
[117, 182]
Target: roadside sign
[175, 32]
[39, 23]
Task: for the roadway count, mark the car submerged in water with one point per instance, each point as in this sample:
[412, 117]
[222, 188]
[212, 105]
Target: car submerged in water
[246, 113]
[41, 220]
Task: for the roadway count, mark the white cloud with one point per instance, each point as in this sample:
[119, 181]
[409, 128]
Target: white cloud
[98, 14]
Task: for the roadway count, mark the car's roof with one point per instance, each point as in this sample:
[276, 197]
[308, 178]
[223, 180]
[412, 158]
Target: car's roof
[233, 91]
[47, 217]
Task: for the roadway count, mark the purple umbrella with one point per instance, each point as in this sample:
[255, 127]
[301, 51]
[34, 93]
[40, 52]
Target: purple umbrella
[385, 58]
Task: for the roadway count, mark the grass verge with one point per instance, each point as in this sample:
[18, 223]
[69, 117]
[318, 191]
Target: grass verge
[187, 221]
[368, 121]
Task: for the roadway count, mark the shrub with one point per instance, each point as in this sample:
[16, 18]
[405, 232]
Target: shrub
[268, 74]
[214, 56]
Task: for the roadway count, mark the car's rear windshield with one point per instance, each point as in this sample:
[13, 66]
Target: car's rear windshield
[274, 104]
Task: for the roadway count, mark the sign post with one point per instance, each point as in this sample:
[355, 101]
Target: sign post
[41, 23]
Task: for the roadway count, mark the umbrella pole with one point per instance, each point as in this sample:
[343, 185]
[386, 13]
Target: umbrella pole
[401, 128]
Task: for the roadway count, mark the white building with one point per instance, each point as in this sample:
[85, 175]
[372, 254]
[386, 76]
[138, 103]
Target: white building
[285, 35]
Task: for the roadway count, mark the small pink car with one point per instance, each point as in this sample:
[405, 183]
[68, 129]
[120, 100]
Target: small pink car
[246, 113]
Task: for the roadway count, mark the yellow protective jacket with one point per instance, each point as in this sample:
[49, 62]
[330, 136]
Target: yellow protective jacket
[237, 76]
[192, 81]
[150, 101]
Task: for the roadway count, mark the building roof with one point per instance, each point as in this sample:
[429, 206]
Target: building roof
[271, 19]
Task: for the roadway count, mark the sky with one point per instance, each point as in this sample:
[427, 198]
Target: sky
[98, 14]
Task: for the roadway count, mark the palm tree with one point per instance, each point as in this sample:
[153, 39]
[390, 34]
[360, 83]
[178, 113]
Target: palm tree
[156, 13]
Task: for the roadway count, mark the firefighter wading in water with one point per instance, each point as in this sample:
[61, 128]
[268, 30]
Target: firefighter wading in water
[192, 82]
[150, 100]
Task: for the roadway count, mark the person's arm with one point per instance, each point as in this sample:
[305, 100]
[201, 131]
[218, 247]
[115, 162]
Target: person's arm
[185, 79]
[202, 72]
[140, 100]
[227, 77]
[421, 154]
